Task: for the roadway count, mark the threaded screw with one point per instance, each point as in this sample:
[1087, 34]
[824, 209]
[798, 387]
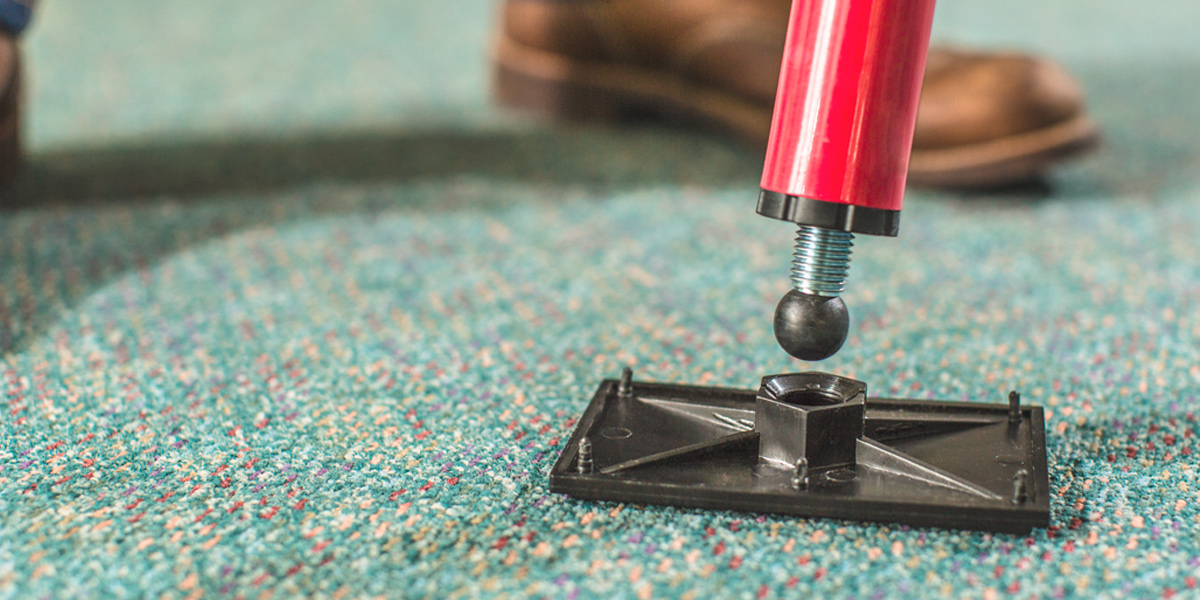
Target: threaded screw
[821, 260]
[625, 387]
[1020, 487]
[584, 464]
[800, 474]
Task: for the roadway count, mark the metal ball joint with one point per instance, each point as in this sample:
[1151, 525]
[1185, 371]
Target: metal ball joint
[811, 321]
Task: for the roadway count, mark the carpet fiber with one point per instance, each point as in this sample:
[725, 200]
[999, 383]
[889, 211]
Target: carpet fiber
[287, 309]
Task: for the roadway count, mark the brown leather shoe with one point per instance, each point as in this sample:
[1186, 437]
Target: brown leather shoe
[995, 118]
[985, 119]
[10, 122]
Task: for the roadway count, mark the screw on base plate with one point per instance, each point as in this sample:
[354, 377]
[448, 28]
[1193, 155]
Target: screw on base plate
[800, 475]
[1014, 407]
[1020, 487]
[584, 464]
[626, 386]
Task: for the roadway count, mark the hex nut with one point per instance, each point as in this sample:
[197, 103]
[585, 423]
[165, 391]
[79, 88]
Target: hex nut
[813, 416]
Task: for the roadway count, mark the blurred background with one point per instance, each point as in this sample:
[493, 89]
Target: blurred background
[199, 78]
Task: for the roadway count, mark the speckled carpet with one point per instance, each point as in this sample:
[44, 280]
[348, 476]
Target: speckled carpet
[286, 309]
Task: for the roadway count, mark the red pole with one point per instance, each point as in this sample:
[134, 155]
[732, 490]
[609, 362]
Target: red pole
[845, 111]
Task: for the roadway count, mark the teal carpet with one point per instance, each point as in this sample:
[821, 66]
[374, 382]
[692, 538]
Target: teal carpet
[287, 309]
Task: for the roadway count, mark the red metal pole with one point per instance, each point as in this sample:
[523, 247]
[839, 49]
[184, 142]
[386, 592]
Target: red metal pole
[845, 112]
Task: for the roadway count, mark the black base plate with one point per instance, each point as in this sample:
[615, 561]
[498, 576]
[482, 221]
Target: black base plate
[939, 464]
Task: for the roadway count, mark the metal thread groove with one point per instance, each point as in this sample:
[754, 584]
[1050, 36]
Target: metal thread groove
[821, 260]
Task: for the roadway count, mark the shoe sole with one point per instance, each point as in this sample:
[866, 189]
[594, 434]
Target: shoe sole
[1004, 161]
[557, 86]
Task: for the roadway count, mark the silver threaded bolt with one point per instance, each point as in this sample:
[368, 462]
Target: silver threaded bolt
[625, 388]
[800, 474]
[584, 464]
[1020, 487]
[821, 261]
